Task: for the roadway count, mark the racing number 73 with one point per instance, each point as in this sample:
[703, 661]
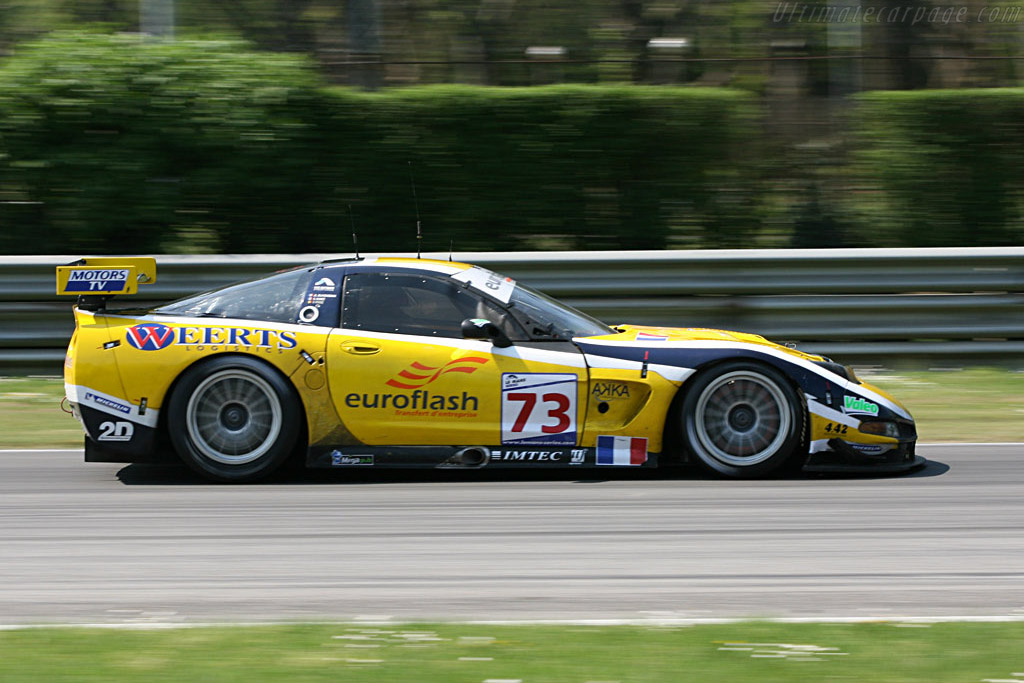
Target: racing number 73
[539, 408]
[559, 412]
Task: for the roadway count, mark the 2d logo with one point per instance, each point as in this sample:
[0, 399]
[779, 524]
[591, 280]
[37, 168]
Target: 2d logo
[418, 375]
[150, 336]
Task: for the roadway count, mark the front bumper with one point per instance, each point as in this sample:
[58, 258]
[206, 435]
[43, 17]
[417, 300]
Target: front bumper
[842, 458]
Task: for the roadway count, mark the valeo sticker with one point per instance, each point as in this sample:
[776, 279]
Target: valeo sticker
[855, 404]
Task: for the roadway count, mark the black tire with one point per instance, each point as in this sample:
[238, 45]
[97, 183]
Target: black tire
[742, 419]
[233, 419]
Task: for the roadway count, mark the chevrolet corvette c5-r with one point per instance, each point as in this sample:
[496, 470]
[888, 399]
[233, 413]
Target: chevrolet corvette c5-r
[395, 362]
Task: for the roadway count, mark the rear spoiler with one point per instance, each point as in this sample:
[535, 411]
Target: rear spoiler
[97, 278]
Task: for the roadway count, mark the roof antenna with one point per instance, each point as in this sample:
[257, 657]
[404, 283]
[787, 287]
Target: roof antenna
[451, 248]
[416, 201]
[419, 230]
[355, 241]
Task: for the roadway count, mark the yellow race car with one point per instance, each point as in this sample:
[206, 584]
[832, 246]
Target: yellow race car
[394, 362]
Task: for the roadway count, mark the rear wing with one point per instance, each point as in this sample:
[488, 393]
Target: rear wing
[97, 278]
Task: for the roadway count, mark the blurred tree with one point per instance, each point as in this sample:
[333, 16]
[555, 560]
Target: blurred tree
[117, 143]
[120, 14]
[281, 25]
[941, 167]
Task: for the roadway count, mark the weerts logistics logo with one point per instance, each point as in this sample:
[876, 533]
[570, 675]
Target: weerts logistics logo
[156, 336]
[419, 375]
[150, 336]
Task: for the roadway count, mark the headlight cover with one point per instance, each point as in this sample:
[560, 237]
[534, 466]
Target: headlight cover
[881, 428]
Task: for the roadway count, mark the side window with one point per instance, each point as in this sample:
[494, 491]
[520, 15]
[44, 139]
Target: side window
[276, 298]
[411, 304]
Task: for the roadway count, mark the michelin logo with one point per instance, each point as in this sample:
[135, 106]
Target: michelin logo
[107, 403]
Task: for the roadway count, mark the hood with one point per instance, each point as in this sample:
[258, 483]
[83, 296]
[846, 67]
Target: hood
[668, 335]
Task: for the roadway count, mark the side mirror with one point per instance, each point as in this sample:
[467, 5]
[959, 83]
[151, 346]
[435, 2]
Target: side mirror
[481, 328]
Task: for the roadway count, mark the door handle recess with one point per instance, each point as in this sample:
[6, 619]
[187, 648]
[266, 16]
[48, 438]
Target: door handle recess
[360, 348]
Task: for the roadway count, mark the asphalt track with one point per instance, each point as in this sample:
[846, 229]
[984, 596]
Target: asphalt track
[93, 543]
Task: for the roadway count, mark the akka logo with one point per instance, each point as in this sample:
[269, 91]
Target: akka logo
[150, 336]
[420, 375]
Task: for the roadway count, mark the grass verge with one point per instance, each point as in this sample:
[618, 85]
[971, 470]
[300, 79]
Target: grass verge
[31, 416]
[459, 653]
[977, 404]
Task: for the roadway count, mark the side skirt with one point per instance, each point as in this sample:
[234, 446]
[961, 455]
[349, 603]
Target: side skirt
[458, 457]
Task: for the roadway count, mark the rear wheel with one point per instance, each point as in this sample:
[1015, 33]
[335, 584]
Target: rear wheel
[233, 419]
[742, 419]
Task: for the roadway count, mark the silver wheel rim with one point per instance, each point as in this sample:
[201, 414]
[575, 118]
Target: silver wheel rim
[233, 417]
[742, 418]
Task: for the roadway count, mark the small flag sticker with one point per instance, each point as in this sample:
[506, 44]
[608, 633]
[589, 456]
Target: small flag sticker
[621, 450]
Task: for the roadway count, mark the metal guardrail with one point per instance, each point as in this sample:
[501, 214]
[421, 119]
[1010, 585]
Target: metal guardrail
[860, 305]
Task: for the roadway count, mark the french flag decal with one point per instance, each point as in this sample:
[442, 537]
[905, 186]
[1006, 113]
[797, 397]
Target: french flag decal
[621, 450]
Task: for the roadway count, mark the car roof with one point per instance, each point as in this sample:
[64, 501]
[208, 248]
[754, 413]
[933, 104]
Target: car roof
[443, 267]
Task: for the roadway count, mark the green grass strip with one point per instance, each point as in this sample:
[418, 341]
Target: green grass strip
[461, 653]
[976, 404]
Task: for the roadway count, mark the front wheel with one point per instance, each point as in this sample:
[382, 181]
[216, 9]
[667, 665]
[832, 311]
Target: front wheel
[233, 419]
[742, 419]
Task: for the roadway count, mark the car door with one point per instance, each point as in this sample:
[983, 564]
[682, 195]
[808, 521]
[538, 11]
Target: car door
[401, 373]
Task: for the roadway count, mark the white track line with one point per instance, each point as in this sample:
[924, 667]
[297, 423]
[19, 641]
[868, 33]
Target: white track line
[41, 450]
[885, 619]
[970, 443]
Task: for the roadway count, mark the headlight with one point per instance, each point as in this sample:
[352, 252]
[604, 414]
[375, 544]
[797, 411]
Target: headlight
[890, 429]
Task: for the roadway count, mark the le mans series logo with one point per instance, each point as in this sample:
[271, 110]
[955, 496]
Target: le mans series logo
[156, 336]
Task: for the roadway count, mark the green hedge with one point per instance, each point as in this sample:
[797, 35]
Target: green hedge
[117, 144]
[112, 144]
[940, 167]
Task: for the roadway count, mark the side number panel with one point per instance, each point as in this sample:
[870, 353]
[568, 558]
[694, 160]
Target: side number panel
[538, 408]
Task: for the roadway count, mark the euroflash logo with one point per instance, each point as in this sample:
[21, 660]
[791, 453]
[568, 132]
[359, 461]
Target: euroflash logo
[419, 375]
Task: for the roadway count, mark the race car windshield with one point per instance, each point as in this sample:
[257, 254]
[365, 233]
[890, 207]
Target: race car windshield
[546, 318]
[276, 298]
